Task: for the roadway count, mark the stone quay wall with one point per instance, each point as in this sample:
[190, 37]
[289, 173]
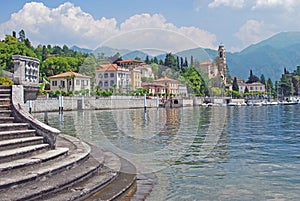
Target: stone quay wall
[45, 104]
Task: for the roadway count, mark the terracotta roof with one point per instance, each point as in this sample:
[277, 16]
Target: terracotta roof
[110, 68]
[70, 73]
[107, 67]
[206, 63]
[165, 79]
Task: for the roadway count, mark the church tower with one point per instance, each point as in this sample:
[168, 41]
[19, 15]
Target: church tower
[222, 62]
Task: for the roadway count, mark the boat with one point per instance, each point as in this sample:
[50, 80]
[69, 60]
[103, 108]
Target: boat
[288, 103]
[258, 104]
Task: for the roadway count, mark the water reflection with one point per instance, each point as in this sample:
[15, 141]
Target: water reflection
[245, 153]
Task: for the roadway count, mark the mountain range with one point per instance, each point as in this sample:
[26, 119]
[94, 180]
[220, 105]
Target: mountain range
[268, 57]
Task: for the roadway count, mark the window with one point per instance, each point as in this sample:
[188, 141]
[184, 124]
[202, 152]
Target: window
[87, 82]
[100, 83]
[251, 88]
[100, 75]
[62, 84]
[112, 75]
[77, 82]
[106, 83]
[54, 83]
[112, 83]
[105, 75]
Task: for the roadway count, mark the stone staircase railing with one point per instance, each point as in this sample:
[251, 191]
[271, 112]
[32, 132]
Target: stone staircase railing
[33, 167]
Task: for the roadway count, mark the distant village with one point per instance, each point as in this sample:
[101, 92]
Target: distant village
[123, 76]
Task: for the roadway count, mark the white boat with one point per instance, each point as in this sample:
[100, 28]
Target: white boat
[288, 103]
[270, 103]
[231, 104]
[257, 104]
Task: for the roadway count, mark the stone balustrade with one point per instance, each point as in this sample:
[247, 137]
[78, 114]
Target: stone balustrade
[26, 70]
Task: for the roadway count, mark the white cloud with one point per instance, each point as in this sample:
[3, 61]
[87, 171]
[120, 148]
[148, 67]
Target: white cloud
[68, 24]
[229, 3]
[253, 32]
[285, 4]
[65, 24]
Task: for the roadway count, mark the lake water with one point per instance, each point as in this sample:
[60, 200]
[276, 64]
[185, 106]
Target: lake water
[198, 153]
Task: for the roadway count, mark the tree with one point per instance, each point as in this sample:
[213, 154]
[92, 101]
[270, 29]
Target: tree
[70, 80]
[147, 61]
[252, 78]
[44, 53]
[246, 90]
[155, 60]
[11, 46]
[270, 86]
[263, 79]
[22, 36]
[170, 61]
[235, 85]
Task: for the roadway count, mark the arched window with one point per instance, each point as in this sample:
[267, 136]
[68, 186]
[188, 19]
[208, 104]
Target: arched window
[100, 83]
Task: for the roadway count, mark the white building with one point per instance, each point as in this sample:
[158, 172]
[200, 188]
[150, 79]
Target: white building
[70, 81]
[112, 76]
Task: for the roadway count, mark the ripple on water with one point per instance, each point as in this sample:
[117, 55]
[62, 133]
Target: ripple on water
[246, 153]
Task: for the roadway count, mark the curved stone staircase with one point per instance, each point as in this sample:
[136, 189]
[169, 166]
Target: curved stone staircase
[73, 170]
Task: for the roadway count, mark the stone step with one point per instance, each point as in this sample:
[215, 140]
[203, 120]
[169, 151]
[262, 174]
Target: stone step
[51, 184]
[5, 113]
[49, 168]
[33, 160]
[4, 95]
[13, 126]
[5, 107]
[5, 135]
[5, 87]
[5, 101]
[4, 120]
[98, 181]
[120, 185]
[20, 142]
[18, 153]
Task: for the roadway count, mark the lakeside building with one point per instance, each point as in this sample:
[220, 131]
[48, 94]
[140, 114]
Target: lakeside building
[208, 68]
[171, 85]
[168, 86]
[256, 87]
[146, 71]
[182, 90]
[252, 87]
[70, 81]
[136, 79]
[217, 69]
[154, 88]
[113, 76]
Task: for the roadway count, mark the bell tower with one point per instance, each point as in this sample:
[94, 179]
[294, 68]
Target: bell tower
[222, 62]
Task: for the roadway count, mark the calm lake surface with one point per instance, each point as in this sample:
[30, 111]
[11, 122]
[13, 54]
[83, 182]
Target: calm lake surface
[198, 153]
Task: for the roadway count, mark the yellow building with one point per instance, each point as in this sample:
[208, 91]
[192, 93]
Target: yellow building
[171, 85]
[70, 81]
[136, 79]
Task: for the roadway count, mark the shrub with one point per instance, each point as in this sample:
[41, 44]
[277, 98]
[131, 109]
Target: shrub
[6, 81]
[57, 92]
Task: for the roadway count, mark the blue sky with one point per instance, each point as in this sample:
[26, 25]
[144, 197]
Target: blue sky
[172, 25]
